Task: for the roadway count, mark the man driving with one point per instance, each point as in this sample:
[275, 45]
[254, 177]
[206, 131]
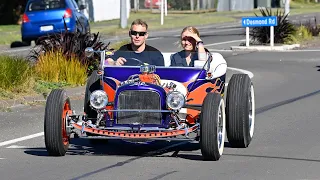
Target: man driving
[137, 49]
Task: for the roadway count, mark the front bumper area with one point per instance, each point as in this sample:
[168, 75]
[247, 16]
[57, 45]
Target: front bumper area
[83, 130]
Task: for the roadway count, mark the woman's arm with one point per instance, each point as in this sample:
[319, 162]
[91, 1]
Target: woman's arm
[202, 54]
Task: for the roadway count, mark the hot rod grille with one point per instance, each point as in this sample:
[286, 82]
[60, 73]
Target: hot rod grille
[133, 99]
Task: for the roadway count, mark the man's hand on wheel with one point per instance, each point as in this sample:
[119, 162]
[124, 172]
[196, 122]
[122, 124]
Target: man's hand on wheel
[120, 61]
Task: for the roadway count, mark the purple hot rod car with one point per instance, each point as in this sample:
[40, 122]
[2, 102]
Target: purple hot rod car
[148, 103]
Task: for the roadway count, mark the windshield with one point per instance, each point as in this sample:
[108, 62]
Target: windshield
[38, 5]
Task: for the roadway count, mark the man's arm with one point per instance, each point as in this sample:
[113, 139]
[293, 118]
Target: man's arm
[116, 59]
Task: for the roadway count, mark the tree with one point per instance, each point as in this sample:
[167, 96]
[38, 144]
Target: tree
[10, 11]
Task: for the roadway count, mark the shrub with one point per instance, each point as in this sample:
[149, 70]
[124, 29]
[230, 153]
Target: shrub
[282, 31]
[54, 66]
[313, 28]
[302, 33]
[72, 45]
[16, 74]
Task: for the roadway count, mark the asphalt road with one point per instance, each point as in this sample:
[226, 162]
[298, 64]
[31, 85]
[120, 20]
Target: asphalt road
[286, 142]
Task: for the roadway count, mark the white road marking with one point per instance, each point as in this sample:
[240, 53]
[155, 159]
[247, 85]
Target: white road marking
[250, 74]
[224, 42]
[21, 139]
[1, 158]
[208, 26]
[215, 31]
[15, 50]
[154, 38]
[222, 50]
[222, 30]
[16, 147]
[303, 50]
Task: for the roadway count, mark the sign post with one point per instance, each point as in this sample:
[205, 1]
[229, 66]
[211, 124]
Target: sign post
[162, 9]
[269, 21]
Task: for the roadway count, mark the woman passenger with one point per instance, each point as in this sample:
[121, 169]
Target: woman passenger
[193, 48]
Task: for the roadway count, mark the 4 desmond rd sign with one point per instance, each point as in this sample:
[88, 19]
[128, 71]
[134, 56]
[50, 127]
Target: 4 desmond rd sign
[269, 21]
[259, 21]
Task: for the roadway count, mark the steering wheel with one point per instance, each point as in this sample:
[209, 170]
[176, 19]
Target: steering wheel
[133, 64]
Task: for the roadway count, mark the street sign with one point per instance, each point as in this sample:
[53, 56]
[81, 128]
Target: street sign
[269, 21]
[259, 21]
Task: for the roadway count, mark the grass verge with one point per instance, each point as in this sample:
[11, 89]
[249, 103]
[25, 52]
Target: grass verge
[54, 67]
[19, 78]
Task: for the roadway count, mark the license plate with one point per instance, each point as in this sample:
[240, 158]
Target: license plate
[46, 28]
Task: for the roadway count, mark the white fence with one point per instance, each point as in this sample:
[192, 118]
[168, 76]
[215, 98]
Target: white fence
[100, 10]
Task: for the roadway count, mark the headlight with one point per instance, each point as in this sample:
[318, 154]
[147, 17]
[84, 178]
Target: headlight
[98, 99]
[175, 100]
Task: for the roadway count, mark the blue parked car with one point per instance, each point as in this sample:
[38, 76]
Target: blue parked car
[45, 17]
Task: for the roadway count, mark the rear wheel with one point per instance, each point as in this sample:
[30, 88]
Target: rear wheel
[240, 111]
[55, 123]
[212, 127]
[26, 41]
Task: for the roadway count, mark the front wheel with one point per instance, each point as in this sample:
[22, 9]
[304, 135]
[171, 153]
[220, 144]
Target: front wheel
[55, 123]
[240, 111]
[212, 127]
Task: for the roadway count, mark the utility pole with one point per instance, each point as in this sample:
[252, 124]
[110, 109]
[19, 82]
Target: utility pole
[161, 11]
[198, 5]
[136, 5]
[287, 7]
[165, 8]
[123, 13]
[209, 4]
[191, 5]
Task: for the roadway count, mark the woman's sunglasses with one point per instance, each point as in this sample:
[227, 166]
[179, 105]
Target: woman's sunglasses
[136, 32]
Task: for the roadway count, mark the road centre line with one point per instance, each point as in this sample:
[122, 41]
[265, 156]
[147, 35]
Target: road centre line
[221, 50]
[250, 74]
[222, 30]
[216, 31]
[208, 26]
[154, 38]
[224, 42]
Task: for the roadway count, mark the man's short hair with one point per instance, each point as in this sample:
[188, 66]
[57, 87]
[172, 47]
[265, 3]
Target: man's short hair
[139, 22]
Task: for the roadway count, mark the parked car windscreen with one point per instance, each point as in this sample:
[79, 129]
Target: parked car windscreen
[39, 5]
